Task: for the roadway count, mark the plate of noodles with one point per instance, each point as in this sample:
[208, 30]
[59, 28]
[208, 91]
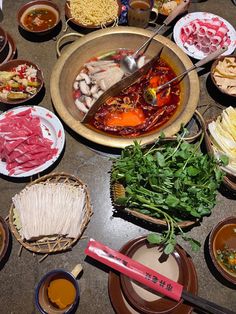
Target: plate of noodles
[93, 13]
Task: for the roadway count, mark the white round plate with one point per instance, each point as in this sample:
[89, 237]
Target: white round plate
[51, 128]
[192, 51]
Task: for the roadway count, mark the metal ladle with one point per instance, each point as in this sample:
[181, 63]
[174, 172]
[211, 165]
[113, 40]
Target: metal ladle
[128, 63]
[150, 93]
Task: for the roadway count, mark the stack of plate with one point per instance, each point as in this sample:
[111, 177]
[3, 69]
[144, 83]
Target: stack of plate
[130, 297]
[7, 46]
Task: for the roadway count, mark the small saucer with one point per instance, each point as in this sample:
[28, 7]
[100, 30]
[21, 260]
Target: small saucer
[10, 54]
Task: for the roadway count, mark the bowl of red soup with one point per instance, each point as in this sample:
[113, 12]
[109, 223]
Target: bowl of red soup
[39, 17]
[222, 246]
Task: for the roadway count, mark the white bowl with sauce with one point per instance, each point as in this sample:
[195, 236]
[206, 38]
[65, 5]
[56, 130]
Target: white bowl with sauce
[39, 17]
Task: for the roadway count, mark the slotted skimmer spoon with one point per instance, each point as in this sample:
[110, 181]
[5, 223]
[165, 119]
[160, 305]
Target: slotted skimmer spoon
[128, 63]
[150, 93]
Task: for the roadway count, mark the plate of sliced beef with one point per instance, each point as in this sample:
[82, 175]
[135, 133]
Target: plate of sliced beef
[31, 140]
[202, 33]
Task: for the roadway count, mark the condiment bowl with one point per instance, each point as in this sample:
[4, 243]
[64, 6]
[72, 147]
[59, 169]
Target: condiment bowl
[39, 17]
[4, 238]
[218, 76]
[42, 300]
[222, 236]
[12, 86]
[3, 40]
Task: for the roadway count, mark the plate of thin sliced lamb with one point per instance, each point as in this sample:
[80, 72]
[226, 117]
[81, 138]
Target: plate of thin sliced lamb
[202, 33]
[31, 140]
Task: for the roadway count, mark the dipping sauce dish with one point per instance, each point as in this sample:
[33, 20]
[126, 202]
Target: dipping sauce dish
[57, 292]
[222, 241]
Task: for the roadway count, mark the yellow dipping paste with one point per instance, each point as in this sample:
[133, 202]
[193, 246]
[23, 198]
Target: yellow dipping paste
[61, 292]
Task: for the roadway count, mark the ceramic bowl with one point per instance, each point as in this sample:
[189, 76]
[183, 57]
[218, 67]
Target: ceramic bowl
[214, 72]
[42, 301]
[223, 234]
[174, 266]
[8, 67]
[4, 238]
[123, 305]
[32, 9]
[3, 40]
[78, 23]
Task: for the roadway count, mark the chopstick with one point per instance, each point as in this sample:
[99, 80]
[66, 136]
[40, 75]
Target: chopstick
[204, 304]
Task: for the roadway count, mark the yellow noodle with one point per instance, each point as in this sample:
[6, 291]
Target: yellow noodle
[95, 12]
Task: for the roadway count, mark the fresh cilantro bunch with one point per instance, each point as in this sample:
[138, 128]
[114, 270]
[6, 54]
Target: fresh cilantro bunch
[172, 180]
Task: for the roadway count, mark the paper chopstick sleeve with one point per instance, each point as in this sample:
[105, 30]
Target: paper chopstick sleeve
[134, 270]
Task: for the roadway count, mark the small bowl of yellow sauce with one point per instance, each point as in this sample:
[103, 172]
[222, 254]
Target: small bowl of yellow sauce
[57, 292]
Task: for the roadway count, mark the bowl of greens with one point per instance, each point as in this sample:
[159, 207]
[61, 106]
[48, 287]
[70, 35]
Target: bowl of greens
[170, 183]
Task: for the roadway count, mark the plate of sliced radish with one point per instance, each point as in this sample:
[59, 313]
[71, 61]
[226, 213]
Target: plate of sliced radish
[201, 33]
[31, 140]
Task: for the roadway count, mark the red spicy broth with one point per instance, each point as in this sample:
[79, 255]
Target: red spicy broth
[40, 19]
[128, 114]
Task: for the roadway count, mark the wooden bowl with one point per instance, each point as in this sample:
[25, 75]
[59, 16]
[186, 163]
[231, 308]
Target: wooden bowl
[4, 238]
[224, 233]
[8, 66]
[27, 9]
[213, 68]
[78, 23]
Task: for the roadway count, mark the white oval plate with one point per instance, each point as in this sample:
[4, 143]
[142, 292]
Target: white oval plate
[192, 51]
[51, 128]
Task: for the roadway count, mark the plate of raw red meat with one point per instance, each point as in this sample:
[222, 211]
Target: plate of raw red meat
[31, 140]
[201, 33]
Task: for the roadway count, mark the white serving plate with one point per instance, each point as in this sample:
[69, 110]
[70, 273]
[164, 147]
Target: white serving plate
[192, 51]
[51, 128]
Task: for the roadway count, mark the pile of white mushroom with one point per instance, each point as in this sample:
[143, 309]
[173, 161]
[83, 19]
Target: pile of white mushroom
[95, 78]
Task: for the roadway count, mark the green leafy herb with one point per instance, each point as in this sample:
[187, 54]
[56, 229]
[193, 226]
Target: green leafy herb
[172, 180]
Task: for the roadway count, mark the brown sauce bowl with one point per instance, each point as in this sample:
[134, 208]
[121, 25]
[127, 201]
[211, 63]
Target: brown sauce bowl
[219, 237]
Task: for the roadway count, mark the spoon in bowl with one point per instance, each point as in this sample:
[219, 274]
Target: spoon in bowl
[128, 63]
[150, 93]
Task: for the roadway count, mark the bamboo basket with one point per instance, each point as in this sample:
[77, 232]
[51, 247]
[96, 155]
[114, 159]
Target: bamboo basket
[118, 190]
[57, 244]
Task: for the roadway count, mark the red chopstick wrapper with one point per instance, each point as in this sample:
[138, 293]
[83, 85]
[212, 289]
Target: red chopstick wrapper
[134, 270]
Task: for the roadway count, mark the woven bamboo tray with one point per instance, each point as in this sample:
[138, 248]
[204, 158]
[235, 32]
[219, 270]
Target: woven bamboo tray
[59, 243]
[229, 180]
[118, 190]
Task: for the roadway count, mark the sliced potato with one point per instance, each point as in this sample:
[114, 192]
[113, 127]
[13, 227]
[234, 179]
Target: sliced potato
[16, 95]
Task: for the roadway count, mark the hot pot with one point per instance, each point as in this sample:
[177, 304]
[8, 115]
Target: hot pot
[99, 42]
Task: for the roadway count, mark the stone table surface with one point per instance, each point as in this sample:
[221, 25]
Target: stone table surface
[19, 275]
